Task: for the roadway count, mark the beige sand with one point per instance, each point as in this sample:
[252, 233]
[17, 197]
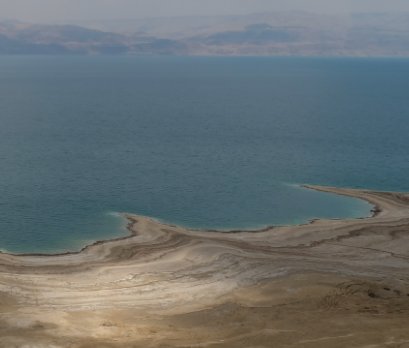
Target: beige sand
[339, 283]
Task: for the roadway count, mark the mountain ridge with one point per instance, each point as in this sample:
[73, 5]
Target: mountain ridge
[268, 34]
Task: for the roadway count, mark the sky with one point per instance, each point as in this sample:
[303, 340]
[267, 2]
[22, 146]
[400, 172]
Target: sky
[48, 11]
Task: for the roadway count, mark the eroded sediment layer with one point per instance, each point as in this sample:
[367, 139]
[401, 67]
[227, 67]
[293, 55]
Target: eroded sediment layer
[337, 283]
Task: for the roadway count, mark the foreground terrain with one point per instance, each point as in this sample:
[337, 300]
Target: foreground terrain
[338, 283]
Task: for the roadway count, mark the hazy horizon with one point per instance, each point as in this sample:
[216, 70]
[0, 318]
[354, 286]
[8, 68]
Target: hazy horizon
[70, 11]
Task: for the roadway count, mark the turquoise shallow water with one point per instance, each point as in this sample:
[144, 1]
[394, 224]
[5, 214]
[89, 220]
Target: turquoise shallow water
[203, 142]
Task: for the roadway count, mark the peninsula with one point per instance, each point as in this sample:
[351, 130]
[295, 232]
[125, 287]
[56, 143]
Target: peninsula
[329, 283]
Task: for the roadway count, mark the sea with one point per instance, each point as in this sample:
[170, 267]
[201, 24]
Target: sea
[203, 142]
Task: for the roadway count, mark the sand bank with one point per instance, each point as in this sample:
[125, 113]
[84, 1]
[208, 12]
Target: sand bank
[330, 283]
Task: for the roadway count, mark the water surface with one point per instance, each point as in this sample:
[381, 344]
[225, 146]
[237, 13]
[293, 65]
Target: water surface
[202, 142]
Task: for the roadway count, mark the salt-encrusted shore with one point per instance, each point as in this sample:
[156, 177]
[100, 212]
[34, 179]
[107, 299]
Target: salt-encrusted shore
[329, 283]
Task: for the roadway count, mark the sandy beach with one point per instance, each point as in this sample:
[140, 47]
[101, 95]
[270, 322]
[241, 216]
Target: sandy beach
[329, 283]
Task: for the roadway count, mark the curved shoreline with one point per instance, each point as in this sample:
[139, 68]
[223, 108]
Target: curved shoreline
[329, 282]
[131, 233]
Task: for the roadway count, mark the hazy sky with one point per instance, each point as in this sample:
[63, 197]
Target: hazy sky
[82, 10]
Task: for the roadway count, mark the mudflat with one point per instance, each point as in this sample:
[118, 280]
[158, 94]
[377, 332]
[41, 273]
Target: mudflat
[329, 283]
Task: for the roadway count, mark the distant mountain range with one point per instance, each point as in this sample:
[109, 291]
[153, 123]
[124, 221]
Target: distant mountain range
[275, 34]
[22, 38]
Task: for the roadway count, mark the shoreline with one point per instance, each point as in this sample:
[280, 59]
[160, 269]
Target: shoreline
[334, 283]
[376, 209]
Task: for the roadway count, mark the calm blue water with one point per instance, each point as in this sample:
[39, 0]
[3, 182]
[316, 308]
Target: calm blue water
[204, 142]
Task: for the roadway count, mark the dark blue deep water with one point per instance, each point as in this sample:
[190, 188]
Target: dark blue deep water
[203, 142]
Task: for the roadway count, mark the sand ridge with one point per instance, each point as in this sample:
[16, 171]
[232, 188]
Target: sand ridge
[329, 283]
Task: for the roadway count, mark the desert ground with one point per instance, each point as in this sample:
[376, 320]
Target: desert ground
[328, 283]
